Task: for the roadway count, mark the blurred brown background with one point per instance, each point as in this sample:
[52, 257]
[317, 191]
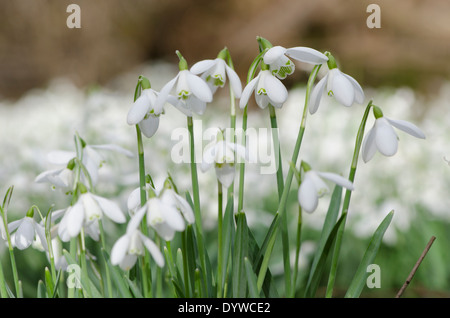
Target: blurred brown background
[411, 48]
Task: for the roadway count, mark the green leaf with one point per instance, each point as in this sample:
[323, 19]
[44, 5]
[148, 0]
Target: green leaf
[251, 279]
[240, 251]
[359, 280]
[117, 275]
[316, 273]
[41, 290]
[330, 221]
[85, 281]
[49, 283]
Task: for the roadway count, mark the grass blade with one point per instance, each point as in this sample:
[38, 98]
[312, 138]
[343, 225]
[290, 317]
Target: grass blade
[316, 273]
[359, 280]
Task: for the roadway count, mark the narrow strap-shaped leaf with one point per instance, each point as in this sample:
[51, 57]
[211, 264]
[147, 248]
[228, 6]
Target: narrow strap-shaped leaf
[316, 274]
[251, 279]
[240, 251]
[330, 221]
[117, 277]
[359, 280]
[41, 290]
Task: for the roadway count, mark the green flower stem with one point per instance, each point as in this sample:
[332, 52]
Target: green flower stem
[3, 210]
[297, 249]
[219, 239]
[108, 274]
[250, 75]
[288, 182]
[280, 186]
[242, 164]
[142, 83]
[83, 263]
[348, 193]
[196, 199]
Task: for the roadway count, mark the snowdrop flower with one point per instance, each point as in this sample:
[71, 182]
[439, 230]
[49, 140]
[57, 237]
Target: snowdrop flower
[313, 187]
[131, 245]
[58, 178]
[92, 160]
[167, 213]
[268, 89]
[144, 114]
[24, 231]
[85, 213]
[215, 73]
[281, 66]
[191, 91]
[345, 89]
[221, 154]
[382, 136]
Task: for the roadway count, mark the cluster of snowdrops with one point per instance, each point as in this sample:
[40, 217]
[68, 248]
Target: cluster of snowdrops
[160, 219]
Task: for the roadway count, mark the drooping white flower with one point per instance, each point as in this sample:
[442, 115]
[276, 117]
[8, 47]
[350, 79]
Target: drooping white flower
[215, 73]
[281, 66]
[144, 114]
[191, 91]
[382, 136]
[24, 231]
[92, 160]
[313, 187]
[268, 89]
[345, 89]
[58, 178]
[167, 213]
[131, 245]
[222, 155]
[85, 213]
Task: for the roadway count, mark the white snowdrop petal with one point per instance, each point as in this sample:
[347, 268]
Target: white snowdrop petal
[276, 91]
[111, 209]
[119, 249]
[337, 179]
[202, 66]
[273, 54]
[74, 219]
[342, 88]
[247, 92]
[60, 157]
[316, 95]
[307, 196]
[199, 88]
[149, 126]
[407, 127]
[128, 262]
[225, 174]
[163, 95]
[24, 235]
[369, 147]
[153, 249]
[138, 110]
[359, 93]
[235, 81]
[307, 55]
[385, 138]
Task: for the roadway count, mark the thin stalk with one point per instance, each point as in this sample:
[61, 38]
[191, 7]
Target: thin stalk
[250, 75]
[11, 253]
[219, 238]
[196, 199]
[108, 275]
[297, 250]
[280, 186]
[242, 164]
[83, 263]
[289, 177]
[348, 193]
